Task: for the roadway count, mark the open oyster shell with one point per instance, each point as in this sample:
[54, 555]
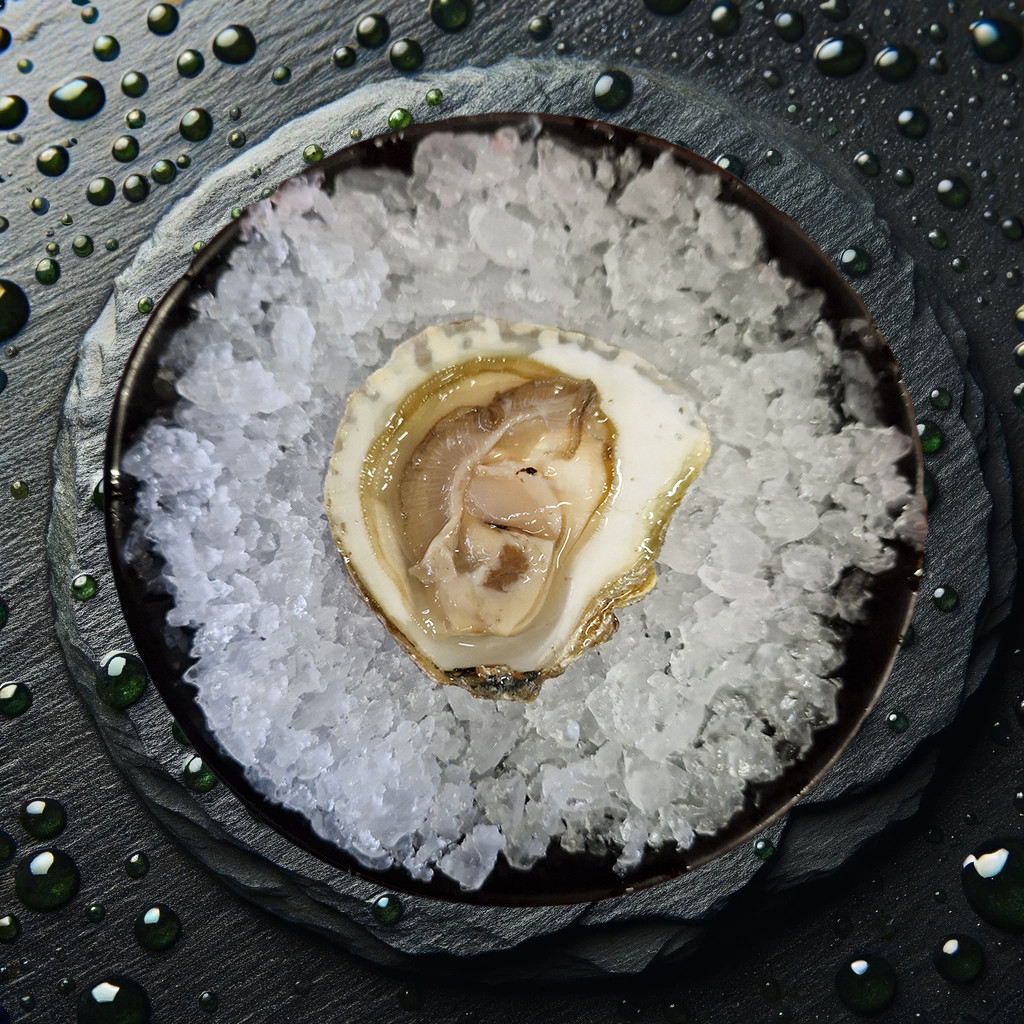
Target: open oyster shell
[497, 490]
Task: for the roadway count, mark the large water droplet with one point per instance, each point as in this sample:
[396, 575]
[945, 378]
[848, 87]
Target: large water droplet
[113, 999]
[912, 122]
[372, 30]
[162, 19]
[234, 45]
[15, 699]
[790, 26]
[725, 18]
[895, 63]
[993, 881]
[195, 124]
[840, 56]
[46, 879]
[120, 680]
[451, 15]
[866, 983]
[79, 99]
[613, 90]
[995, 40]
[157, 927]
[14, 309]
[13, 110]
[43, 818]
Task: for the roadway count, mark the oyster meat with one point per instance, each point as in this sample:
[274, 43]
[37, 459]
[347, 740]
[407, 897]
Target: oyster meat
[497, 490]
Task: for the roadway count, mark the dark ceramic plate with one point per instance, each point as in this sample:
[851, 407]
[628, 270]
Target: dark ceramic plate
[560, 878]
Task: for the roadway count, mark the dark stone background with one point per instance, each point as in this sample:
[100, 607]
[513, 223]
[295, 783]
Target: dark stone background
[764, 957]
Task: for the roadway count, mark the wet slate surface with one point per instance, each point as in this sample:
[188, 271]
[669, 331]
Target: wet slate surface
[796, 939]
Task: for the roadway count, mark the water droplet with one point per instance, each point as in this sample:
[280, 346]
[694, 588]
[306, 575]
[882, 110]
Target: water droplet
[13, 110]
[196, 775]
[399, 118]
[106, 48]
[840, 56]
[47, 271]
[90, 14]
[995, 40]
[5, 39]
[451, 15]
[897, 722]
[208, 1001]
[953, 192]
[959, 264]
[234, 113]
[281, 75]
[136, 865]
[157, 927]
[835, 10]
[6, 847]
[773, 157]
[162, 19]
[43, 818]
[945, 598]
[195, 124]
[120, 680]
[163, 171]
[190, 63]
[113, 999]
[938, 32]
[732, 164]
[4, 224]
[135, 118]
[938, 239]
[344, 57]
[53, 161]
[19, 489]
[234, 45]
[100, 191]
[434, 97]
[312, 153]
[125, 149]
[895, 63]
[763, 848]
[612, 90]
[10, 928]
[959, 959]
[372, 30]
[866, 983]
[84, 587]
[1012, 228]
[993, 881]
[406, 54]
[541, 27]
[111, 244]
[236, 139]
[930, 436]
[855, 262]
[387, 909]
[78, 99]
[46, 879]
[15, 699]
[39, 205]
[134, 84]
[912, 122]
[198, 245]
[725, 18]
[940, 398]
[95, 913]
[790, 26]
[14, 309]
[868, 163]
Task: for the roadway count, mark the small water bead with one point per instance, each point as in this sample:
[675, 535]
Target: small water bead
[13, 110]
[135, 118]
[136, 865]
[541, 26]
[195, 124]
[208, 1001]
[399, 118]
[163, 171]
[46, 879]
[236, 139]
[184, 161]
[113, 999]
[84, 587]
[134, 84]
[995, 40]
[612, 90]
[52, 248]
[387, 909]
[790, 26]
[236, 212]
[867, 163]
[866, 984]
[372, 30]
[903, 176]
[162, 19]
[190, 63]
[938, 32]
[897, 722]
[281, 75]
[15, 699]
[959, 959]
[39, 205]
[344, 57]
[855, 262]
[6, 847]
[125, 149]
[43, 818]
[773, 157]
[763, 848]
[840, 56]
[993, 881]
[406, 55]
[938, 239]
[65, 985]
[725, 18]
[90, 14]
[1012, 228]
[47, 271]
[1018, 800]
[940, 398]
[53, 161]
[106, 48]
[312, 153]
[895, 63]
[451, 15]
[14, 309]
[120, 680]
[912, 122]
[835, 10]
[19, 489]
[197, 776]
[733, 164]
[434, 97]
[10, 928]
[945, 598]
[157, 928]
[111, 244]
[953, 192]
[145, 304]
[959, 264]
[198, 245]
[234, 45]
[4, 224]
[940, 896]
[95, 913]
[234, 113]
[930, 436]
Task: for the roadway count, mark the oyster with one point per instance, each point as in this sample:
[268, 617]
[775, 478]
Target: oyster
[497, 490]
